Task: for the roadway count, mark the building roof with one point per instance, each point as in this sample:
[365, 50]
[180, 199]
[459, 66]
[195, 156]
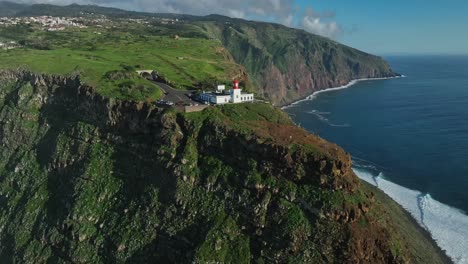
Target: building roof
[216, 94]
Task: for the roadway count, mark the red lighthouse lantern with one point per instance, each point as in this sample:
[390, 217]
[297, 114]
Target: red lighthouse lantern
[236, 84]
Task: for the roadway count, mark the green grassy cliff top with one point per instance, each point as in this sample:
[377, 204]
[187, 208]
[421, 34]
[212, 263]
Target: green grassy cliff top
[95, 180]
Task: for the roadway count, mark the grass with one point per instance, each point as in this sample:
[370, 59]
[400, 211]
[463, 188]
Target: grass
[224, 244]
[255, 112]
[184, 63]
[244, 118]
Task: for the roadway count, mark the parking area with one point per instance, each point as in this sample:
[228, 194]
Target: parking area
[174, 96]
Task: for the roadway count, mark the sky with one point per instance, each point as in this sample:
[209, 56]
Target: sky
[375, 26]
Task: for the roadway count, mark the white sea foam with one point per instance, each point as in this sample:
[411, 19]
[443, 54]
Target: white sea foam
[321, 117]
[351, 83]
[339, 125]
[448, 226]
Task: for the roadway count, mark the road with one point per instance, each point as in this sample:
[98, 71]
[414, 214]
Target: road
[174, 95]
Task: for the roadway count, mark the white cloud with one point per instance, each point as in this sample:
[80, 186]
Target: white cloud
[288, 21]
[316, 26]
[236, 13]
[313, 22]
[280, 11]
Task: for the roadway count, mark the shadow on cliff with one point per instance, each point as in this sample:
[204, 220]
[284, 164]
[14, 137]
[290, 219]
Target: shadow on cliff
[136, 135]
[135, 142]
[167, 248]
[64, 168]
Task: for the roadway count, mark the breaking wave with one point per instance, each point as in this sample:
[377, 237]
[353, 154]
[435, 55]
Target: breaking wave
[447, 225]
[351, 83]
[321, 117]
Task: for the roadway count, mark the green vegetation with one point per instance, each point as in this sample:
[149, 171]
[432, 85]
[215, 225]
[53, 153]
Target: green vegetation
[96, 52]
[409, 231]
[280, 60]
[224, 243]
[211, 50]
[255, 112]
[93, 180]
[114, 184]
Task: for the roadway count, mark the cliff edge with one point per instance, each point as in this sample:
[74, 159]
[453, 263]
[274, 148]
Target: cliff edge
[84, 178]
[286, 64]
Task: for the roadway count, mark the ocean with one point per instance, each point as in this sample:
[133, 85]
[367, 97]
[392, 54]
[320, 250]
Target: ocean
[409, 137]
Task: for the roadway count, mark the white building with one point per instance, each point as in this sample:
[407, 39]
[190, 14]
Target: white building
[234, 96]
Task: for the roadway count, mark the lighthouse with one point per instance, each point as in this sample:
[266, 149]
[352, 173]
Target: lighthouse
[236, 93]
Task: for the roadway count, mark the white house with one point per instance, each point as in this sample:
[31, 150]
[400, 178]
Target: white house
[234, 96]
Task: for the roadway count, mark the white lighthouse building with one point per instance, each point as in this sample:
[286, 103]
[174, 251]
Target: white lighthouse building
[234, 96]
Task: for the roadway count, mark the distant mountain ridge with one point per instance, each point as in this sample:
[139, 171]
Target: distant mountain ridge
[10, 9]
[14, 9]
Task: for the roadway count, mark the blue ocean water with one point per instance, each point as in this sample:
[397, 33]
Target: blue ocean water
[410, 134]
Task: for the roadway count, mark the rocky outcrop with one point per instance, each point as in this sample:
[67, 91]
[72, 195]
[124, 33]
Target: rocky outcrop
[82, 101]
[92, 179]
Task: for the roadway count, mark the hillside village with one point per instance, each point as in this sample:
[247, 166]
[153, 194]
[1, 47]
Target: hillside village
[8, 45]
[88, 20]
[48, 23]
[53, 23]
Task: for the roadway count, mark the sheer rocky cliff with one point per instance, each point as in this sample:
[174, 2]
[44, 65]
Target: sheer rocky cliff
[87, 179]
[288, 64]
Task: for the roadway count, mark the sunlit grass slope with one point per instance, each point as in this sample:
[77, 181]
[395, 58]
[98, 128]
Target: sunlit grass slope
[93, 52]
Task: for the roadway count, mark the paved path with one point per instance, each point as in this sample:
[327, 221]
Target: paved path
[174, 95]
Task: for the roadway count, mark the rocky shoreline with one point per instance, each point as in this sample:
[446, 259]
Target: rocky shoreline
[348, 85]
[407, 214]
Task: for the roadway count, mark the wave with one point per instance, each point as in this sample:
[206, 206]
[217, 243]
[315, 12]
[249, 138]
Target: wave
[447, 225]
[368, 165]
[351, 83]
[339, 125]
[321, 117]
[318, 112]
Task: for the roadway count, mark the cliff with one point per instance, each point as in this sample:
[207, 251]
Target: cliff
[280, 64]
[84, 178]
[288, 64]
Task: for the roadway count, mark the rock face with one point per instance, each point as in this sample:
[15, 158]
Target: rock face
[288, 64]
[88, 179]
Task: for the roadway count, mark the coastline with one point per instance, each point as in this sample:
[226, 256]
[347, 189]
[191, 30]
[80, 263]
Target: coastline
[410, 218]
[442, 253]
[447, 226]
[408, 215]
[350, 84]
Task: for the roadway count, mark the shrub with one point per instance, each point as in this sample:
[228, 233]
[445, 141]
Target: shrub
[119, 75]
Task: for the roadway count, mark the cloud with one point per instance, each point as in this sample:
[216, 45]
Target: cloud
[314, 23]
[281, 11]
